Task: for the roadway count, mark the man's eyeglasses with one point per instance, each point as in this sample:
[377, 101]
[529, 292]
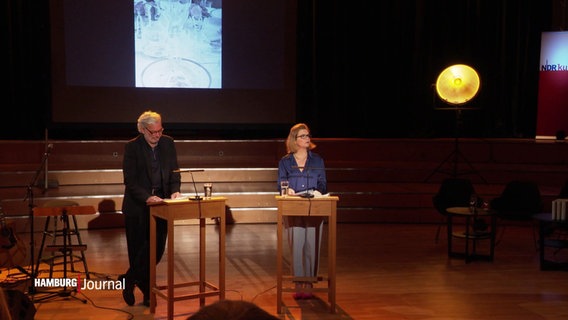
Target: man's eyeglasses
[304, 136]
[160, 131]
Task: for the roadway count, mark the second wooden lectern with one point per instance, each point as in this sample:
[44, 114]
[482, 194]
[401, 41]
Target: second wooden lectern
[297, 206]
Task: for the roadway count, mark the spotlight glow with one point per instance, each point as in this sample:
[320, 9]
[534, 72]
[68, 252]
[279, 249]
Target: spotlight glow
[457, 84]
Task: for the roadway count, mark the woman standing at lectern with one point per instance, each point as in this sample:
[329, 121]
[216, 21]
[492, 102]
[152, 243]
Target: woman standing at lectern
[305, 172]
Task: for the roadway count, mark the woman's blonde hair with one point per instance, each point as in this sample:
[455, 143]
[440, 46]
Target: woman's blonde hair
[291, 146]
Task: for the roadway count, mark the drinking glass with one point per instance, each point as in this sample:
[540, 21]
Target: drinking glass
[208, 190]
[473, 202]
[284, 185]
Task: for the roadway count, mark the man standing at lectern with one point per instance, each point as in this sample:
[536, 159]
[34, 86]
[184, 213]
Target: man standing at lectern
[148, 169]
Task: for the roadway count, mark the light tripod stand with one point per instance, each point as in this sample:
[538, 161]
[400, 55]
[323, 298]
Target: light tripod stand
[455, 156]
[456, 85]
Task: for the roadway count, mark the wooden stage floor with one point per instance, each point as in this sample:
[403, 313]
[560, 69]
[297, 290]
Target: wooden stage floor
[384, 271]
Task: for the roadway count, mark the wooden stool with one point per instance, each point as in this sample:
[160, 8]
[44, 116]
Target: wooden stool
[66, 238]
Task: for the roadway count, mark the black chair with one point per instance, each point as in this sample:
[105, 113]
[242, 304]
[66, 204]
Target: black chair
[453, 192]
[519, 201]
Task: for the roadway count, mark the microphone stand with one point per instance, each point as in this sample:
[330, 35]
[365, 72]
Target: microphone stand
[307, 194]
[197, 196]
[30, 197]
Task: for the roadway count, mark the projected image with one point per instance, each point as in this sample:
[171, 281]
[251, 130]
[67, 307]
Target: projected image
[178, 43]
[175, 56]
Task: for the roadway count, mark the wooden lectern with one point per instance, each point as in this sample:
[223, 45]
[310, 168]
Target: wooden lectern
[298, 206]
[172, 210]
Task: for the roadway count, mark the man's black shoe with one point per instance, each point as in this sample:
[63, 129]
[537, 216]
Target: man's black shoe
[128, 291]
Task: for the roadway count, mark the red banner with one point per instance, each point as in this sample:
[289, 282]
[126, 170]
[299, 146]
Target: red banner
[552, 117]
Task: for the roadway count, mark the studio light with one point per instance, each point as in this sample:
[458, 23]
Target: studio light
[457, 84]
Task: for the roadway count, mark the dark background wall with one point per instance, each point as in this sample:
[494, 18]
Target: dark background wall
[365, 69]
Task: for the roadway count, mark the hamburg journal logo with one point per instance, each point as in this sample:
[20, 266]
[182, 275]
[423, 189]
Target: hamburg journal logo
[80, 284]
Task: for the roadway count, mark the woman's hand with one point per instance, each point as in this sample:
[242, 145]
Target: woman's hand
[291, 191]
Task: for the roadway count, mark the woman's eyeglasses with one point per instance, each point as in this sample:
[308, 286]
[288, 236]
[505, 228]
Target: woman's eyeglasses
[304, 136]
